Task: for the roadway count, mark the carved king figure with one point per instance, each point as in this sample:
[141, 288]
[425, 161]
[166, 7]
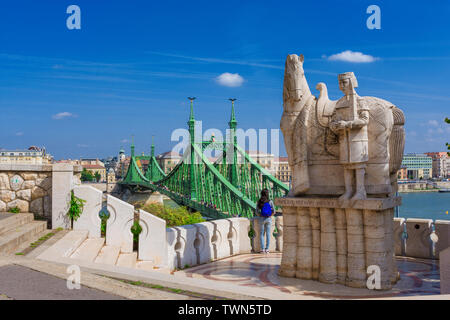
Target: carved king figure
[349, 121]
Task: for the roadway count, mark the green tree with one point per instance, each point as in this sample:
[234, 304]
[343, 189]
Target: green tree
[86, 175]
[97, 176]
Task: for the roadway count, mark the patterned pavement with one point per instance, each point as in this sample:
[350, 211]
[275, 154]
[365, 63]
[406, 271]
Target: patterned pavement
[418, 277]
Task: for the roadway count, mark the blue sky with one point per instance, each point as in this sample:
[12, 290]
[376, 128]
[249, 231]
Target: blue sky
[83, 93]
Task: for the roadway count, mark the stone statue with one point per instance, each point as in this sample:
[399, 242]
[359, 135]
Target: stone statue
[313, 145]
[349, 149]
[349, 121]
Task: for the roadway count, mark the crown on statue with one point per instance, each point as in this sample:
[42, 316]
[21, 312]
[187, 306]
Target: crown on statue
[349, 75]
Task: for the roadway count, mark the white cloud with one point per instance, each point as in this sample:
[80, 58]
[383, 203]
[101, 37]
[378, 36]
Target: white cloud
[230, 79]
[63, 115]
[351, 56]
[19, 134]
[80, 145]
[124, 140]
[433, 123]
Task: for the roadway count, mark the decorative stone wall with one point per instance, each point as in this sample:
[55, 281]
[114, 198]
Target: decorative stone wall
[29, 188]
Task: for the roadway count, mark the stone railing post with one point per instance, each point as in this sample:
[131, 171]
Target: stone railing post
[89, 218]
[62, 185]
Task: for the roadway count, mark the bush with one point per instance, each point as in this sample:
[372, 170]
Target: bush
[14, 210]
[174, 216]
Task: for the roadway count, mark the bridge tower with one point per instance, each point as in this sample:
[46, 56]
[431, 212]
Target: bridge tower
[233, 173]
[192, 168]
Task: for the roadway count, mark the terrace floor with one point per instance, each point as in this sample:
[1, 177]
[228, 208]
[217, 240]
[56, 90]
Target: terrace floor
[418, 277]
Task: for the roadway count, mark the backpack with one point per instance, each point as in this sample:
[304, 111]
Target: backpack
[266, 210]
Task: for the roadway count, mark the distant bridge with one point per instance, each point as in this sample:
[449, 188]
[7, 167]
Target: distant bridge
[216, 189]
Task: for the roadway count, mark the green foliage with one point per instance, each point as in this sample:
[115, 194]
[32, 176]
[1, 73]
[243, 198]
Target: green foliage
[104, 216]
[14, 210]
[76, 207]
[97, 176]
[136, 229]
[251, 233]
[86, 175]
[174, 216]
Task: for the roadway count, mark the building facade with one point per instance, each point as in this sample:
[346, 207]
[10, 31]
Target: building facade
[265, 160]
[440, 169]
[418, 166]
[168, 160]
[282, 170]
[32, 155]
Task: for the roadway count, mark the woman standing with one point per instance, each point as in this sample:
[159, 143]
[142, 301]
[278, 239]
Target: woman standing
[265, 211]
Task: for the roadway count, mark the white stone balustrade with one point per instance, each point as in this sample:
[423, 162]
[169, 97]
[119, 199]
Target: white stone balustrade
[442, 228]
[171, 239]
[89, 219]
[152, 239]
[397, 233]
[444, 270]
[418, 243]
[245, 243]
[118, 226]
[204, 242]
[220, 241]
[185, 247]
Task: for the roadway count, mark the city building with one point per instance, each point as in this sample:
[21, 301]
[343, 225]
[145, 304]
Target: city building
[168, 160]
[418, 166]
[265, 160]
[93, 165]
[32, 155]
[402, 174]
[282, 170]
[111, 178]
[439, 164]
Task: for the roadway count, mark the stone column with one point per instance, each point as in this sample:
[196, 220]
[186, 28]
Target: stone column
[375, 245]
[341, 245]
[289, 258]
[304, 244]
[328, 265]
[315, 230]
[356, 261]
[62, 185]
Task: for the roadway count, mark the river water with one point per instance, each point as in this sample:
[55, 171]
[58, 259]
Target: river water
[425, 205]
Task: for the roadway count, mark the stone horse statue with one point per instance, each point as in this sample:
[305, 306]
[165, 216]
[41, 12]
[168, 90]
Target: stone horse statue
[313, 149]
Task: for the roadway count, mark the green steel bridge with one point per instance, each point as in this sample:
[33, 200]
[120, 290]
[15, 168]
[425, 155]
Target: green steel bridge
[227, 187]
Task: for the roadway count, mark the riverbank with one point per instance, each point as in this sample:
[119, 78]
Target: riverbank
[420, 190]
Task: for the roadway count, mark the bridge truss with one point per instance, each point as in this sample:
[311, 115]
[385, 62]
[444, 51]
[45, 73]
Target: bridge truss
[228, 187]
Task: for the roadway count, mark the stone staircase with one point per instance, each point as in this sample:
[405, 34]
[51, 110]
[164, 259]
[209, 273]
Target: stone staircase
[77, 246]
[17, 229]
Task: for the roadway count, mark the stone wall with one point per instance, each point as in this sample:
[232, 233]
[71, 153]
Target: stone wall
[29, 188]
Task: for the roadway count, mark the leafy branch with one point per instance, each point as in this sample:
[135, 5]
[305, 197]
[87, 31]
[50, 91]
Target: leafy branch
[76, 207]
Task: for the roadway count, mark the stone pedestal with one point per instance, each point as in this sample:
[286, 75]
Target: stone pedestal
[331, 241]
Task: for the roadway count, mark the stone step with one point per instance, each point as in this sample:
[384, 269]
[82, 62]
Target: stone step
[24, 245]
[65, 246]
[108, 255]
[89, 249]
[127, 260]
[9, 221]
[12, 239]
